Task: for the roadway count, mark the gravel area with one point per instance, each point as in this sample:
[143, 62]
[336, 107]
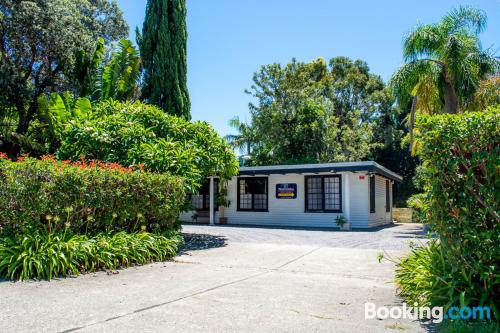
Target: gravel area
[393, 237]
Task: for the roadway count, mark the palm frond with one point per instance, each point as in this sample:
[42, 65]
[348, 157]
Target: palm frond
[423, 41]
[465, 18]
[408, 76]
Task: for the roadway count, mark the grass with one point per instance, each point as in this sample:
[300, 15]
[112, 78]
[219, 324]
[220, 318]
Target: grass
[46, 256]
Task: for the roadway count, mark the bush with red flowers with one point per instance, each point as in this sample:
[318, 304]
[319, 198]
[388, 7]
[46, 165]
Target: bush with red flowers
[85, 197]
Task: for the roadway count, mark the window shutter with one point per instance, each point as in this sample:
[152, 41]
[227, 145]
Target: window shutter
[387, 196]
[372, 194]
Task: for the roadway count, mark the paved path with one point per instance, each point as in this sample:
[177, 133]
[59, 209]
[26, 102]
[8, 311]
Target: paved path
[227, 280]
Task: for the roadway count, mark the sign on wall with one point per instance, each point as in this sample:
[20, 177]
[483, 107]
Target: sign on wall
[286, 191]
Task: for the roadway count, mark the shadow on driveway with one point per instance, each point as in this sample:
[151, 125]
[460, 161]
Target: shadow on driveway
[195, 242]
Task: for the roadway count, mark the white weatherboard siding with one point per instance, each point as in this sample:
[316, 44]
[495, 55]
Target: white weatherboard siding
[291, 212]
[388, 215]
[282, 212]
[359, 204]
[380, 216]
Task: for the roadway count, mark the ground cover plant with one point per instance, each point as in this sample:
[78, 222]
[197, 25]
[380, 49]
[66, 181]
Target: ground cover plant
[44, 255]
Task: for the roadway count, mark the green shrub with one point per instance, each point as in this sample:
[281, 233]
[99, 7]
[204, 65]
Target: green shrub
[85, 198]
[418, 205]
[427, 277]
[43, 255]
[460, 157]
[133, 133]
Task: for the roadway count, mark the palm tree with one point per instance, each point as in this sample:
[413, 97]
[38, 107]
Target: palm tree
[444, 63]
[245, 139]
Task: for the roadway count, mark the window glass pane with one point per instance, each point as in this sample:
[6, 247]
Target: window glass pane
[260, 201]
[314, 193]
[332, 193]
[243, 186]
[253, 194]
[245, 201]
[256, 186]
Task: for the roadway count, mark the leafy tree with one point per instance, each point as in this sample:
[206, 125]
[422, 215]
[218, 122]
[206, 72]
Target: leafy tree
[391, 130]
[137, 133]
[487, 94]
[314, 112]
[163, 50]
[39, 45]
[444, 63]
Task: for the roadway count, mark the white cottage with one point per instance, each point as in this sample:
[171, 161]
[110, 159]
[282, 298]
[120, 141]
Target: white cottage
[306, 195]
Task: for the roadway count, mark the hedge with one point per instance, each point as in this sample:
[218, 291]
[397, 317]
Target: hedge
[85, 197]
[460, 155]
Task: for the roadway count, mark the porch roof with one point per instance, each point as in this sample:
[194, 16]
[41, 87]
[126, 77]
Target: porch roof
[364, 166]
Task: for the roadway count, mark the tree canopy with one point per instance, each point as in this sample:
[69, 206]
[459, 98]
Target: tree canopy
[39, 45]
[315, 112]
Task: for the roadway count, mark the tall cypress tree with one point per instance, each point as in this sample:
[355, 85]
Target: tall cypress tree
[163, 51]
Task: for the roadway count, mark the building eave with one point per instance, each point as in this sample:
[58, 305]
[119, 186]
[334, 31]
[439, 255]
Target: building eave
[366, 166]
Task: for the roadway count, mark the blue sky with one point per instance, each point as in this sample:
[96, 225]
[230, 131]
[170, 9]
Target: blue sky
[230, 39]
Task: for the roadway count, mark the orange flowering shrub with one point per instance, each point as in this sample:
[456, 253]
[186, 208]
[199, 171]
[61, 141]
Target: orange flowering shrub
[84, 164]
[85, 197]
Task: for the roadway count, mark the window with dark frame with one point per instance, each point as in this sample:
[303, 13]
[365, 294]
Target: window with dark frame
[387, 196]
[253, 194]
[201, 200]
[372, 194]
[323, 193]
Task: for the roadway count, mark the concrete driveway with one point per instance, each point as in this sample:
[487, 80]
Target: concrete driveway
[229, 279]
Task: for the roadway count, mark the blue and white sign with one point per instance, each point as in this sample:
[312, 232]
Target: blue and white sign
[286, 191]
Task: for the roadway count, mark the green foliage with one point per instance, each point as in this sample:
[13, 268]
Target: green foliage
[135, 133]
[245, 137]
[461, 326]
[86, 71]
[428, 277]
[42, 42]
[419, 205]
[85, 198]
[120, 74]
[314, 112]
[340, 220]
[163, 49]
[43, 255]
[460, 157]
[55, 111]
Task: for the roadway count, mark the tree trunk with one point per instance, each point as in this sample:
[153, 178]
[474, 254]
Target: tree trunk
[25, 117]
[450, 95]
[450, 100]
[411, 124]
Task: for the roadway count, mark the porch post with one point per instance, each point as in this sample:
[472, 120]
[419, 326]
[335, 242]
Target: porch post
[212, 201]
